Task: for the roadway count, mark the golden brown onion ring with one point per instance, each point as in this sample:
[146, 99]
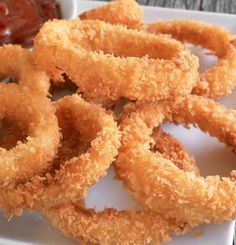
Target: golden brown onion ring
[114, 227]
[15, 62]
[126, 12]
[218, 80]
[36, 116]
[156, 181]
[71, 177]
[110, 61]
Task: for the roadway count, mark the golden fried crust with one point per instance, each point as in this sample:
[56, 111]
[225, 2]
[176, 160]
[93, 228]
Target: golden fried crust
[110, 61]
[156, 181]
[126, 12]
[125, 227]
[113, 227]
[90, 124]
[218, 80]
[16, 63]
[36, 116]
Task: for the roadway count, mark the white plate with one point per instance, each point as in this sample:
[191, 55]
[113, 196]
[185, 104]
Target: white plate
[213, 157]
[69, 9]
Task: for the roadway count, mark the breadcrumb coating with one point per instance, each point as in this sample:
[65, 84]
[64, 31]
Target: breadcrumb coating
[15, 62]
[156, 181]
[72, 177]
[218, 80]
[36, 116]
[125, 227]
[114, 227]
[110, 61]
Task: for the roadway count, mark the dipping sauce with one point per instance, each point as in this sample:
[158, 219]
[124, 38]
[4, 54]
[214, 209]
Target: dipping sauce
[20, 20]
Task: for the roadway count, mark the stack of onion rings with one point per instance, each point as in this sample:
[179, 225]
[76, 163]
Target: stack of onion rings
[215, 82]
[75, 220]
[110, 226]
[164, 187]
[112, 64]
[97, 129]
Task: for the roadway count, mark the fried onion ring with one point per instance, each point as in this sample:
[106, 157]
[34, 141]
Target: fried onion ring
[110, 61]
[72, 177]
[126, 12]
[156, 181]
[16, 63]
[113, 227]
[218, 80]
[39, 121]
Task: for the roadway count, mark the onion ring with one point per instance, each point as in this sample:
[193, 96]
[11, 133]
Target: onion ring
[112, 73]
[162, 186]
[218, 80]
[16, 62]
[91, 124]
[113, 227]
[126, 12]
[34, 156]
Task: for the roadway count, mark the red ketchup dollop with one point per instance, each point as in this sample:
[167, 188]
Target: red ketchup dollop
[20, 20]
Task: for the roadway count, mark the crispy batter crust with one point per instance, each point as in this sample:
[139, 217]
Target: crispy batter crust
[156, 181]
[15, 62]
[110, 61]
[110, 226]
[218, 80]
[126, 12]
[114, 227]
[36, 116]
[91, 125]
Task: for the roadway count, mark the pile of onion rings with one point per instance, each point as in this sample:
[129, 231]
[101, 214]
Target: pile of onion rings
[168, 189]
[130, 77]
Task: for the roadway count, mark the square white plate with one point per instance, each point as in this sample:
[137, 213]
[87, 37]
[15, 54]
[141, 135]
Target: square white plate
[212, 157]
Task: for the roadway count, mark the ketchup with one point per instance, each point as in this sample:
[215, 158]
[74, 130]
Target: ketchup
[20, 20]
